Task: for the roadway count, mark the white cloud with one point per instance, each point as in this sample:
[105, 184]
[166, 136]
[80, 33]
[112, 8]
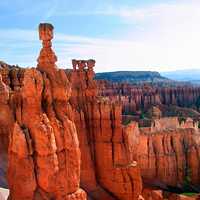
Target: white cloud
[19, 44]
[164, 37]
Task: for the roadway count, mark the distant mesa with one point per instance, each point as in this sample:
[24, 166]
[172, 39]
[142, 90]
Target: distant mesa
[132, 76]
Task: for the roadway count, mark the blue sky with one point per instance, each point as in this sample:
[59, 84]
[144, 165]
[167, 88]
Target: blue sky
[159, 35]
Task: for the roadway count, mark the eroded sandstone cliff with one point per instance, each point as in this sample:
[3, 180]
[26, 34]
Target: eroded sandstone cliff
[58, 135]
[108, 147]
[137, 97]
[169, 157]
[43, 150]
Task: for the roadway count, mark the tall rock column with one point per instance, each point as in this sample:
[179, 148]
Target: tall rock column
[44, 154]
[47, 57]
[112, 148]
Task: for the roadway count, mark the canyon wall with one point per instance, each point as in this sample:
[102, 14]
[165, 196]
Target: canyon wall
[136, 97]
[170, 157]
[108, 149]
[43, 110]
[43, 150]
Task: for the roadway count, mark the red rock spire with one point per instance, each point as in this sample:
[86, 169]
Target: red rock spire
[81, 65]
[47, 57]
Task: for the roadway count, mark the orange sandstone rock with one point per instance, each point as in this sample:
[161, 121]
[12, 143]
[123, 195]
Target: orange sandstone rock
[134, 98]
[166, 157]
[47, 57]
[112, 149]
[43, 152]
[150, 194]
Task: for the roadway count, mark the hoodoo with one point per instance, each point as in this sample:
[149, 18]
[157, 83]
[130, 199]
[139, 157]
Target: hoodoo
[43, 152]
[109, 168]
[47, 57]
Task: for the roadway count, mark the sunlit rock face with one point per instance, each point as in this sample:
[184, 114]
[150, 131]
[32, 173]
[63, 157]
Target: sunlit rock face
[40, 109]
[134, 98]
[109, 149]
[168, 157]
[160, 154]
[43, 148]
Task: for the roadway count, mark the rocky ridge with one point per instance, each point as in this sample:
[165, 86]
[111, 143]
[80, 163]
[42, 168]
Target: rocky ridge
[43, 145]
[134, 98]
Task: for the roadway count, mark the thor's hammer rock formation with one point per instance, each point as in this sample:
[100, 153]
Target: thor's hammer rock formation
[43, 150]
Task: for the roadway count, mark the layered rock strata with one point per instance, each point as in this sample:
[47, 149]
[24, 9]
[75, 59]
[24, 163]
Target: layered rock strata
[108, 148]
[43, 151]
[170, 157]
[134, 98]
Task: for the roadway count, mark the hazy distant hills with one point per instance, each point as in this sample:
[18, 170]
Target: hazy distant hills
[136, 77]
[132, 76]
[192, 75]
